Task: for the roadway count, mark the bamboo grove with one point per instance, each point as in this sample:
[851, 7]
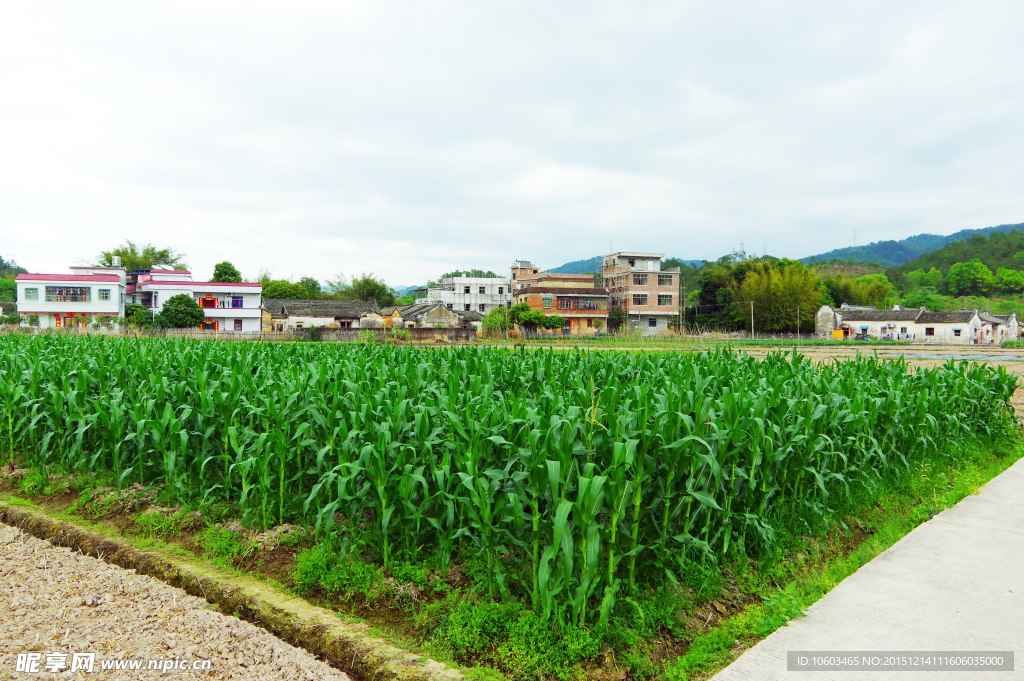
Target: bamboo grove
[573, 477]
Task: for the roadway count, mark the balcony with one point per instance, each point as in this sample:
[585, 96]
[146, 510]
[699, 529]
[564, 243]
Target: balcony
[578, 305]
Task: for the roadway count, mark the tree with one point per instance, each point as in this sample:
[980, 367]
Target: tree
[497, 322]
[409, 300]
[182, 312]
[778, 291]
[145, 258]
[616, 318]
[138, 316]
[225, 271]
[8, 290]
[971, 277]
[312, 287]
[281, 288]
[932, 277]
[929, 297]
[554, 322]
[1010, 281]
[598, 324]
[366, 288]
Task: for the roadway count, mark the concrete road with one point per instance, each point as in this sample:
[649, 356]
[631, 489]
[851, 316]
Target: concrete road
[956, 583]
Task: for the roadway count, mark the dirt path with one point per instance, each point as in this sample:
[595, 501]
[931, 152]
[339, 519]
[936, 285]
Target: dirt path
[55, 601]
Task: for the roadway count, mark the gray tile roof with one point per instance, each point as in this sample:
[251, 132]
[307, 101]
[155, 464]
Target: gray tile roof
[298, 307]
[955, 317]
[992, 319]
[903, 315]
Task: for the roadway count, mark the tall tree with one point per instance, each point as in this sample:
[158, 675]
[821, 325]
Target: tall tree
[146, 257]
[778, 291]
[225, 271]
[971, 277]
[181, 312]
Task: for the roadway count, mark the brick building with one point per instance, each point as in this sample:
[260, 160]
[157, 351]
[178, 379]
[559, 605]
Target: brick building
[571, 296]
[639, 287]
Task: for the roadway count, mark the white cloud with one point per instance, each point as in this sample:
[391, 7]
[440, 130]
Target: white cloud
[411, 138]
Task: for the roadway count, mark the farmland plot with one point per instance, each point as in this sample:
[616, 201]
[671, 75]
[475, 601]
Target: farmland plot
[572, 479]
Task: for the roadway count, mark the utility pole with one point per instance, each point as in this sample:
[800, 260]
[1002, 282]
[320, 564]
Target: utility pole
[751, 320]
[797, 324]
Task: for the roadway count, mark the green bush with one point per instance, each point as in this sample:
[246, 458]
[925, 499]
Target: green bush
[220, 545]
[1013, 344]
[323, 570]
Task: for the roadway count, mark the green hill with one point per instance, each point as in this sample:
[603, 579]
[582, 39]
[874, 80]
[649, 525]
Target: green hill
[896, 253]
[997, 250]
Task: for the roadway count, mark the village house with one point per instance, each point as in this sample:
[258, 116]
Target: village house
[227, 306]
[958, 327]
[430, 315]
[289, 314]
[88, 295]
[570, 296]
[639, 287]
[471, 294]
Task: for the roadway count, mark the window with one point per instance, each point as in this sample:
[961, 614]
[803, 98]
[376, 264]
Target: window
[929, 331]
[664, 280]
[501, 290]
[236, 301]
[639, 280]
[529, 286]
[104, 294]
[481, 307]
[449, 306]
[298, 325]
[345, 325]
[956, 332]
[650, 265]
[513, 275]
[547, 302]
[483, 290]
[465, 289]
[467, 307]
[652, 322]
[67, 294]
[632, 262]
[590, 323]
[238, 325]
[563, 303]
[903, 329]
[664, 300]
[31, 294]
[639, 298]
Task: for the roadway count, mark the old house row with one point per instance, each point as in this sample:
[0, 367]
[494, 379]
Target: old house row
[282, 314]
[958, 327]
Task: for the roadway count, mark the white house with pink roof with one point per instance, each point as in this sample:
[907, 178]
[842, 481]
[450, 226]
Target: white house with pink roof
[85, 296]
[229, 306]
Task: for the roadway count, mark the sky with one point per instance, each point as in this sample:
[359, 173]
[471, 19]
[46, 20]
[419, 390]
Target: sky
[409, 139]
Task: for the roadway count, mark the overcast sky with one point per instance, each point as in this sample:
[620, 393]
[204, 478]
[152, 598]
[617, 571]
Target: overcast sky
[407, 139]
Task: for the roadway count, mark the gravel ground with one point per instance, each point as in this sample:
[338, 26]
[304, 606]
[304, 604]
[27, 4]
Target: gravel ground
[55, 601]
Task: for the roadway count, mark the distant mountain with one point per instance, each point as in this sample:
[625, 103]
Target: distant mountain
[896, 253]
[578, 266]
[591, 264]
[9, 268]
[996, 250]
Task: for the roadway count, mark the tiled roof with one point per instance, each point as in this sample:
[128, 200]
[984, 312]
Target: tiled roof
[170, 271]
[469, 315]
[902, 315]
[593, 292]
[1005, 317]
[992, 319]
[298, 307]
[955, 317]
[95, 278]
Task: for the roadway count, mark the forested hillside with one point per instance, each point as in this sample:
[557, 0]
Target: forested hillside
[896, 253]
[1000, 250]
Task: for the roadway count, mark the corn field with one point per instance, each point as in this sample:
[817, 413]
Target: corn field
[572, 476]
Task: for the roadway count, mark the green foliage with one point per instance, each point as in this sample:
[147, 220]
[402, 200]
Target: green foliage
[400, 334]
[365, 288]
[146, 257]
[779, 291]
[139, 317]
[507, 635]
[970, 278]
[871, 289]
[10, 269]
[406, 300]
[281, 288]
[311, 286]
[497, 322]
[225, 271]
[554, 321]
[366, 336]
[1013, 344]
[8, 290]
[323, 570]
[1009, 281]
[616, 318]
[932, 278]
[220, 545]
[928, 297]
[182, 312]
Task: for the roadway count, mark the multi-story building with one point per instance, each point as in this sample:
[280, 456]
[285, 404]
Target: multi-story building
[521, 269]
[571, 296]
[86, 296]
[228, 306]
[639, 287]
[472, 294]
